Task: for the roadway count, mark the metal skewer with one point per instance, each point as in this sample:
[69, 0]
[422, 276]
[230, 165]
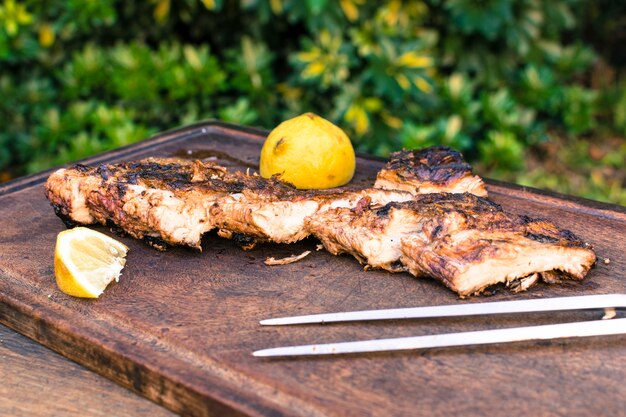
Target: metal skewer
[552, 331]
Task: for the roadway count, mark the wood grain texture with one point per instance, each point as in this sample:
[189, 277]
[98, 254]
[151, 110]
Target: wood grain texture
[180, 326]
[39, 382]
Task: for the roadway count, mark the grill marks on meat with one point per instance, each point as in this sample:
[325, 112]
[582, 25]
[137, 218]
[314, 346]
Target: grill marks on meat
[280, 217]
[469, 244]
[465, 241]
[159, 200]
[372, 236]
[437, 169]
[169, 201]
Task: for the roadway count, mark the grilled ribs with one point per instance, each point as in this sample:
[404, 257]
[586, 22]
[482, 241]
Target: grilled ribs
[465, 241]
[425, 215]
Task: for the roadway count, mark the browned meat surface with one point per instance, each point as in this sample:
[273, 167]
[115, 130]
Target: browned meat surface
[371, 235]
[466, 242]
[277, 213]
[264, 210]
[170, 201]
[475, 251]
[437, 169]
[161, 201]
[176, 201]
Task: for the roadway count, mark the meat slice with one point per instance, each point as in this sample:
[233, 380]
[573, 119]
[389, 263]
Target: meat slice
[437, 169]
[158, 200]
[267, 210]
[171, 201]
[264, 210]
[475, 251]
[466, 242]
[468, 262]
[463, 240]
[371, 235]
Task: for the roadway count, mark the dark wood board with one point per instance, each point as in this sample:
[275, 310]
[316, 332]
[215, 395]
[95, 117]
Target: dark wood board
[180, 326]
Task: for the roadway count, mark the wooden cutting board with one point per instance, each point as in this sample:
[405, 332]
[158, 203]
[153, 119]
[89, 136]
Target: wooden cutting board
[180, 326]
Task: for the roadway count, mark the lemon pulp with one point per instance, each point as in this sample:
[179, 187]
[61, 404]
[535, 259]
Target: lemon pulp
[86, 261]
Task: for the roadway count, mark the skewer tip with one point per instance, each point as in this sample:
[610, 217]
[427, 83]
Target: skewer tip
[282, 321]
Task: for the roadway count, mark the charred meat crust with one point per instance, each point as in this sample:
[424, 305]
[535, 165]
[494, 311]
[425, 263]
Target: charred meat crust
[156, 242]
[437, 163]
[467, 242]
[158, 200]
[425, 216]
[484, 215]
[246, 242]
[431, 170]
[61, 211]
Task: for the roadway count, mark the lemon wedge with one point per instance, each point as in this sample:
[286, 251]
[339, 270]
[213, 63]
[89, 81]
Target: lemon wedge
[309, 152]
[86, 261]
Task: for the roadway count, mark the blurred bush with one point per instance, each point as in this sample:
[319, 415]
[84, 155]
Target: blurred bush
[496, 79]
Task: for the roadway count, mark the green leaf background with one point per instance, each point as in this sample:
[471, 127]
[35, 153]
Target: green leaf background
[514, 84]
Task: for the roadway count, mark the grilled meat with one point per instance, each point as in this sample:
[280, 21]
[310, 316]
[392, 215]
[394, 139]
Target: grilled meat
[268, 210]
[169, 201]
[158, 200]
[279, 216]
[437, 169]
[372, 236]
[465, 241]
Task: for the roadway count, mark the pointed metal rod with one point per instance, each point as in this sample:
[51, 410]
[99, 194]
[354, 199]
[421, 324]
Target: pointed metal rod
[499, 307]
[551, 331]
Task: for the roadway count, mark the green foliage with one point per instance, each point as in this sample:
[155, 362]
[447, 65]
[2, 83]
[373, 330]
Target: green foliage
[582, 167]
[492, 78]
